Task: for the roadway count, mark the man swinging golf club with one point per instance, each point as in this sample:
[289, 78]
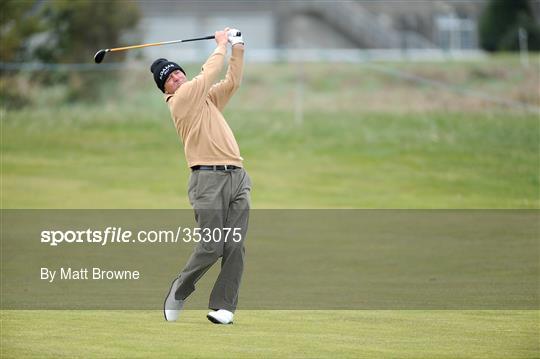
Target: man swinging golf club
[219, 187]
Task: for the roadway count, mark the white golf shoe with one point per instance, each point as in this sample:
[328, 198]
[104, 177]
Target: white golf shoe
[172, 307]
[220, 316]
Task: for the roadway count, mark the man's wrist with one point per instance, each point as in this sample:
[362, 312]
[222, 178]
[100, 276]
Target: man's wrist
[221, 48]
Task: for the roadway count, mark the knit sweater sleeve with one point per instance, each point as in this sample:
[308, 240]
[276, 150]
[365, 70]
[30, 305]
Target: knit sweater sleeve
[221, 93]
[194, 92]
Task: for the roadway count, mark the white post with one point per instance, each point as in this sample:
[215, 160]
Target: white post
[300, 76]
[453, 32]
[523, 47]
[299, 95]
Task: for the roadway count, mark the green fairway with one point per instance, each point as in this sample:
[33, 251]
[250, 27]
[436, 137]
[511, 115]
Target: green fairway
[281, 334]
[86, 158]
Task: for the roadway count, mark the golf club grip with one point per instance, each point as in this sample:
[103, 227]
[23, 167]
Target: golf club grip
[207, 37]
[200, 38]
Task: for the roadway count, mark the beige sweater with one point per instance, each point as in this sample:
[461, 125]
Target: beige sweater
[196, 111]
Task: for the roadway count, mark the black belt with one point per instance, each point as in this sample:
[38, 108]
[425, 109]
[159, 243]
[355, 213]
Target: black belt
[214, 168]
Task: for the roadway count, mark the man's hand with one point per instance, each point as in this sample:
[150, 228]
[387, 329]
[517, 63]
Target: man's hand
[233, 36]
[221, 37]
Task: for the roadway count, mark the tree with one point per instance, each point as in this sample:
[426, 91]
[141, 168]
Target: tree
[77, 29]
[20, 20]
[499, 24]
[60, 31]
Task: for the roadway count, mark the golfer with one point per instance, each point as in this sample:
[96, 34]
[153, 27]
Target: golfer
[219, 187]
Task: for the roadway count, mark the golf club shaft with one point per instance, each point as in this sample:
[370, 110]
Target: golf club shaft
[159, 43]
[98, 57]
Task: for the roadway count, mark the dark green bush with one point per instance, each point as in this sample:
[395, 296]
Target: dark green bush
[500, 22]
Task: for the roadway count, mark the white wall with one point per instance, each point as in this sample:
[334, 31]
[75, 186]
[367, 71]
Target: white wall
[257, 29]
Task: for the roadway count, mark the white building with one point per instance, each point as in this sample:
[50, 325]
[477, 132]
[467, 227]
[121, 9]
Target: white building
[272, 27]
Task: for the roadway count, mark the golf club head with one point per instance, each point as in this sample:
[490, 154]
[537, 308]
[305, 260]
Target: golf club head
[98, 57]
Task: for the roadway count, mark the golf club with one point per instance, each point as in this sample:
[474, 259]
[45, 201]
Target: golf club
[98, 57]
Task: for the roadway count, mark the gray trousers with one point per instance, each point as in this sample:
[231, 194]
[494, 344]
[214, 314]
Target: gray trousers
[220, 199]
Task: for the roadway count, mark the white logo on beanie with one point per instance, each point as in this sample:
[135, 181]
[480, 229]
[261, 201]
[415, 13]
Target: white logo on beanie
[165, 71]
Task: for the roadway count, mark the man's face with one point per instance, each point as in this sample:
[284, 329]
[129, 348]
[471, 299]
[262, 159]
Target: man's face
[175, 80]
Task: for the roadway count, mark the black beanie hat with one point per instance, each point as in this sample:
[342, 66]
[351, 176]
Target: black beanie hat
[162, 68]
